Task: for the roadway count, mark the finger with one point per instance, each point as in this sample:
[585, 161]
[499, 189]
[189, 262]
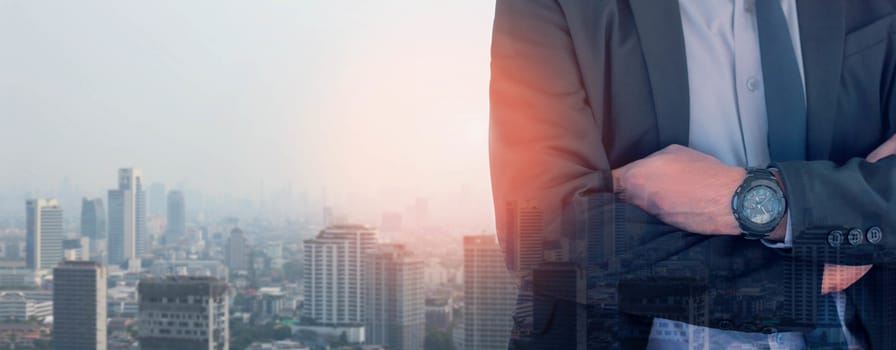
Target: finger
[839, 277]
[886, 149]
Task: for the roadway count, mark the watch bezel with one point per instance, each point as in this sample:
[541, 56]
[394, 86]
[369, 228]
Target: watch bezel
[757, 178]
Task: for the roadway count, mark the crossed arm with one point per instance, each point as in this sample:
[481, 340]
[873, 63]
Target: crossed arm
[664, 185]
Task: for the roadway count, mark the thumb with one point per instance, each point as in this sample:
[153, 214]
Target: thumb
[886, 149]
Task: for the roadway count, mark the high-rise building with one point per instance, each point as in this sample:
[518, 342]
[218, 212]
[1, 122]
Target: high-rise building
[79, 306]
[43, 233]
[93, 224]
[127, 217]
[489, 295]
[395, 304]
[93, 218]
[157, 199]
[177, 216]
[525, 227]
[237, 254]
[184, 313]
[334, 282]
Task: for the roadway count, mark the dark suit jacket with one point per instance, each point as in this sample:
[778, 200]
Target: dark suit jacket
[580, 87]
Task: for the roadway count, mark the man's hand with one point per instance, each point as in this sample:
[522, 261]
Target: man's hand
[839, 277]
[684, 188]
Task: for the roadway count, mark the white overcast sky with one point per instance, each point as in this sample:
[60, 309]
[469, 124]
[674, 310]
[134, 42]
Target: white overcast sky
[220, 95]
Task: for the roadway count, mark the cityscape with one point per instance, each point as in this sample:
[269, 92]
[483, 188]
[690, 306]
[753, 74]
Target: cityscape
[262, 175]
[136, 270]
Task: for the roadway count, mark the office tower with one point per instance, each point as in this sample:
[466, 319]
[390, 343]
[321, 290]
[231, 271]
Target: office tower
[127, 217]
[334, 261]
[79, 306]
[43, 233]
[525, 227]
[157, 199]
[237, 254]
[489, 295]
[93, 219]
[395, 307]
[93, 225]
[177, 215]
[183, 312]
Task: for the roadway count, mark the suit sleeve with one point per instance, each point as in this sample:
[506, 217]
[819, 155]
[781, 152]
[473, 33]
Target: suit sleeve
[547, 147]
[843, 214]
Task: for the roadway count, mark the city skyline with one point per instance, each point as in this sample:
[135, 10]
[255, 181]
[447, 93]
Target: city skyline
[240, 110]
[299, 175]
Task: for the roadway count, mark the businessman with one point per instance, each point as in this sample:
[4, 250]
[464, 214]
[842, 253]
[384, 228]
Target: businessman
[751, 139]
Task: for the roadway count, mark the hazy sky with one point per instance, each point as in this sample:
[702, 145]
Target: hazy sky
[221, 95]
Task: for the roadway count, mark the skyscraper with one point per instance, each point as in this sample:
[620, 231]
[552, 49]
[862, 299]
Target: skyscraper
[525, 227]
[334, 282]
[237, 254]
[43, 233]
[157, 199]
[79, 306]
[395, 306]
[93, 224]
[489, 295]
[93, 218]
[127, 217]
[184, 313]
[177, 213]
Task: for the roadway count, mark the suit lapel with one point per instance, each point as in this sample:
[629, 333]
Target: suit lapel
[662, 42]
[821, 35]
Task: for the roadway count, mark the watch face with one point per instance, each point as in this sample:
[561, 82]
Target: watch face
[761, 205]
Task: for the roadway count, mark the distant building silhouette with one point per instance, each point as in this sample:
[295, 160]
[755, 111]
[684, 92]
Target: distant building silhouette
[525, 227]
[79, 306]
[93, 218]
[127, 217]
[93, 223]
[157, 199]
[43, 233]
[177, 217]
[238, 251]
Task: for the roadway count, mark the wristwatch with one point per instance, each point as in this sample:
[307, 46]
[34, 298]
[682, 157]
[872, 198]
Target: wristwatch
[758, 204]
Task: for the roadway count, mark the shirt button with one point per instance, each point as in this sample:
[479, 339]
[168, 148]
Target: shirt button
[752, 83]
[779, 338]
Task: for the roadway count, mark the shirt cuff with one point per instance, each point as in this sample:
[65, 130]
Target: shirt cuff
[788, 238]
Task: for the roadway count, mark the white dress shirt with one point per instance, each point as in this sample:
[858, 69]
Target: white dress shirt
[728, 121]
